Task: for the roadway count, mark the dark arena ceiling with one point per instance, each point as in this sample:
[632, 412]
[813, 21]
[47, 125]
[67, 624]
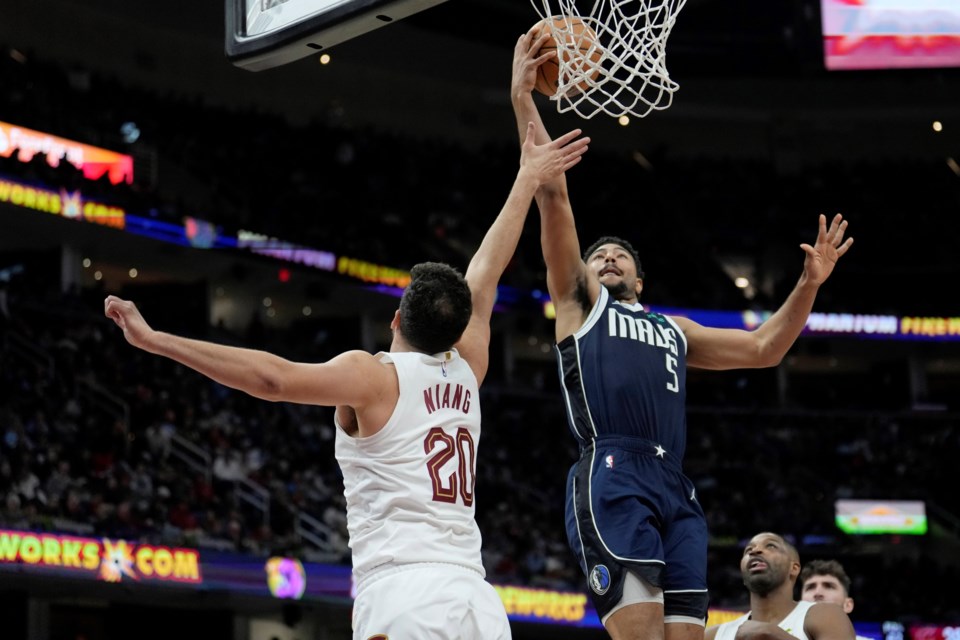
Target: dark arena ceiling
[743, 67]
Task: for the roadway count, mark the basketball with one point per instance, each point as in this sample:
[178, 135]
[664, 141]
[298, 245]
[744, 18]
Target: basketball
[578, 38]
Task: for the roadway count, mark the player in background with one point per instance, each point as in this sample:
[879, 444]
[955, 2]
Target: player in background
[827, 581]
[408, 427]
[633, 520]
[770, 566]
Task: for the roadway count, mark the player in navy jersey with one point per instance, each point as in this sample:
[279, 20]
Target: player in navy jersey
[633, 520]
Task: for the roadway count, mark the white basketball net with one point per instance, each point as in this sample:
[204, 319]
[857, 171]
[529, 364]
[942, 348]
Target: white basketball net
[633, 77]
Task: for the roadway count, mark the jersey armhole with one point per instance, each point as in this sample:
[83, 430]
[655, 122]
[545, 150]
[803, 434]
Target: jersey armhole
[595, 314]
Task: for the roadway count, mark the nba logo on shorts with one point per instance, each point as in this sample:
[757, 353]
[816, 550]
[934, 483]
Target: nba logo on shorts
[600, 579]
[609, 461]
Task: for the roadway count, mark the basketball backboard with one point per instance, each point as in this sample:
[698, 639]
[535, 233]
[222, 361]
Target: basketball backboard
[261, 34]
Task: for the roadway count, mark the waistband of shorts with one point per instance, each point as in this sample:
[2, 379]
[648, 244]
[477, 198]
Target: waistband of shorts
[387, 570]
[640, 446]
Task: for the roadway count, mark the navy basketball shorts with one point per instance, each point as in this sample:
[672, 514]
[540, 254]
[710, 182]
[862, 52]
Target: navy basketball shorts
[630, 508]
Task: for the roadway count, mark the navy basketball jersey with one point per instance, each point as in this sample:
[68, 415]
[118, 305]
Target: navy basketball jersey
[624, 374]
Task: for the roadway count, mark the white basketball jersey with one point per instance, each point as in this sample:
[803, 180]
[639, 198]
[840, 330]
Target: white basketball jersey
[792, 624]
[409, 487]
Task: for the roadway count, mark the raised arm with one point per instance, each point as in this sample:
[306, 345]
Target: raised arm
[566, 272]
[538, 164]
[525, 65]
[710, 348]
[353, 378]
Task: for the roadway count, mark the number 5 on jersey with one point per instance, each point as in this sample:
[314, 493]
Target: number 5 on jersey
[672, 370]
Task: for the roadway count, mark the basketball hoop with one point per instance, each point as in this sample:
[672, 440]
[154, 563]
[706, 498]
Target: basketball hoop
[633, 77]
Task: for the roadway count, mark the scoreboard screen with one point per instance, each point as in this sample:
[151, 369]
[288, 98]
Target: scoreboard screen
[891, 34]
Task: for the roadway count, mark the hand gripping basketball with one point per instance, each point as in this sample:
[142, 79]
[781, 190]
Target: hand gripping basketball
[578, 56]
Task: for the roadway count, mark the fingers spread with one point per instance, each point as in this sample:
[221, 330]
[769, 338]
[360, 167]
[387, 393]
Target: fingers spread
[567, 137]
[572, 162]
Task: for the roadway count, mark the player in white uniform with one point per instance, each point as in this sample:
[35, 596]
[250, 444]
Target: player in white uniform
[770, 566]
[409, 427]
[827, 581]
[410, 506]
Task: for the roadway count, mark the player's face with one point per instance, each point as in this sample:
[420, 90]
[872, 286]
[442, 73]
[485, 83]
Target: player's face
[765, 564]
[616, 270]
[825, 589]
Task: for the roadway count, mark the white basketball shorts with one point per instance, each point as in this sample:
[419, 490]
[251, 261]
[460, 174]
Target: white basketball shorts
[428, 601]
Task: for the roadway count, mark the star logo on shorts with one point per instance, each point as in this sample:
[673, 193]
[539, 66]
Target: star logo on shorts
[660, 451]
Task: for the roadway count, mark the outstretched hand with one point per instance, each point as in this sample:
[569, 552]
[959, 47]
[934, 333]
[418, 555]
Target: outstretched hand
[126, 315]
[526, 62]
[546, 162]
[830, 247]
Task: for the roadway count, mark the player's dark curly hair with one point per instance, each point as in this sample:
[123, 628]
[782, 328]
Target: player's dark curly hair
[825, 568]
[620, 242]
[435, 307]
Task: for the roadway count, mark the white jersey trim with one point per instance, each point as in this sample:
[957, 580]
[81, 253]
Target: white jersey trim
[385, 358]
[595, 314]
[679, 331]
